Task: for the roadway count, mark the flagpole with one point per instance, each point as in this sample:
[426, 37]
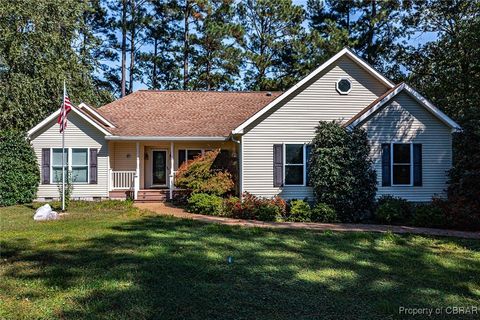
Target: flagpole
[63, 147]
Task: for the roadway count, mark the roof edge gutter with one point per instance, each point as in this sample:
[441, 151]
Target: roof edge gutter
[165, 138]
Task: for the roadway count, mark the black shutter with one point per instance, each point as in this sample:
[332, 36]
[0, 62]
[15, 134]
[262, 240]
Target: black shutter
[386, 171]
[46, 166]
[277, 165]
[308, 150]
[417, 164]
[93, 166]
[181, 157]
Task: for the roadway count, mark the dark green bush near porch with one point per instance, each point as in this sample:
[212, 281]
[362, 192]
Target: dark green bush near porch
[322, 212]
[392, 209]
[340, 171]
[205, 204]
[19, 173]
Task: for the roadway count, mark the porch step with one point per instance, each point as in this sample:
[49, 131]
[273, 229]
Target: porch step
[153, 195]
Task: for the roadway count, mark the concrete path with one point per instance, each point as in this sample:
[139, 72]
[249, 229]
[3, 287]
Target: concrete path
[170, 210]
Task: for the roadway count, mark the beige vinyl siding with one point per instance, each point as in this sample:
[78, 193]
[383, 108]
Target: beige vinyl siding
[79, 134]
[404, 120]
[294, 121]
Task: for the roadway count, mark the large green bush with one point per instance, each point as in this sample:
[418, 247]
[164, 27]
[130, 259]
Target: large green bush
[19, 173]
[463, 207]
[205, 204]
[341, 172]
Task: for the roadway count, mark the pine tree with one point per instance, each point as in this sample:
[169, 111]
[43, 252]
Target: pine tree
[218, 58]
[160, 66]
[269, 26]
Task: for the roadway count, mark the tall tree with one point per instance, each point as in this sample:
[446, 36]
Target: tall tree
[216, 36]
[160, 65]
[269, 25]
[38, 51]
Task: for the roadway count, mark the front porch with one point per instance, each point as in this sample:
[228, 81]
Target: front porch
[145, 170]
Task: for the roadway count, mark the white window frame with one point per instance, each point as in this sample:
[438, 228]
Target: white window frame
[392, 164]
[304, 164]
[343, 92]
[69, 164]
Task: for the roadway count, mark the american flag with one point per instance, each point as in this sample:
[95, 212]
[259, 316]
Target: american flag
[62, 117]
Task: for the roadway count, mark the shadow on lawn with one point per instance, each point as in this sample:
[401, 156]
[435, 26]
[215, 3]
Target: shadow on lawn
[159, 267]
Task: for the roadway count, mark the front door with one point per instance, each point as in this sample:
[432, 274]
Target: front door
[159, 168]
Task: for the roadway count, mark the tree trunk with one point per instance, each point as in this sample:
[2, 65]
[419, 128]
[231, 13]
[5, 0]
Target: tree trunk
[155, 52]
[371, 32]
[186, 44]
[124, 47]
[132, 48]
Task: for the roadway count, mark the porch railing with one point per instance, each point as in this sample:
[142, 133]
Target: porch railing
[123, 180]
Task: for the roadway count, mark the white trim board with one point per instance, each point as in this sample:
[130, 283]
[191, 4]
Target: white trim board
[55, 115]
[96, 114]
[417, 97]
[344, 51]
[164, 138]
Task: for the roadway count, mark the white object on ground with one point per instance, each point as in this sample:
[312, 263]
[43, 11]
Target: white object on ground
[45, 213]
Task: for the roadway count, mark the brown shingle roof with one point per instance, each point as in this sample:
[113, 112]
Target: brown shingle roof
[183, 113]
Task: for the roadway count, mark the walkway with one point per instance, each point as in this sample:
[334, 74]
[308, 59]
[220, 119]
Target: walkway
[169, 210]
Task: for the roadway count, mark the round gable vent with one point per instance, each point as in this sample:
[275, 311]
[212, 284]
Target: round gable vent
[344, 86]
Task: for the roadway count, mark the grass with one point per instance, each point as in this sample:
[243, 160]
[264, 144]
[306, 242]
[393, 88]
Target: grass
[112, 261]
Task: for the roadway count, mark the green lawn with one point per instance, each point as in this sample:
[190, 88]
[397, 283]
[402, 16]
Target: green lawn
[112, 262]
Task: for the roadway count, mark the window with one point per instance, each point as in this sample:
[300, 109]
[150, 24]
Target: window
[80, 165]
[294, 164]
[57, 164]
[76, 161]
[402, 164]
[187, 154]
[344, 86]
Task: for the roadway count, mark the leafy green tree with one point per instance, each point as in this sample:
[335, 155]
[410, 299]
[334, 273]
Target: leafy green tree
[271, 28]
[38, 51]
[217, 62]
[447, 71]
[341, 172]
[19, 173]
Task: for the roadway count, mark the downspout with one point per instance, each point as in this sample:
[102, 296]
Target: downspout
[240, 163]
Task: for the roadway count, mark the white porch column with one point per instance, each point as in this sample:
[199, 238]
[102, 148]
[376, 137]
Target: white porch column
[171, 185]
[137, 173]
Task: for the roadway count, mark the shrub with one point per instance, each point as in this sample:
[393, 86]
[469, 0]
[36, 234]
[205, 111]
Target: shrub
[198, 176]
[322, 212]
[299, 211]
[392, 209]
[253, 207]
[68, 188]
[341, 172]
[429, 215]
[19, 173]
[205, 204]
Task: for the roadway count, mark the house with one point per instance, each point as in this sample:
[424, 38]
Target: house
[135, 144]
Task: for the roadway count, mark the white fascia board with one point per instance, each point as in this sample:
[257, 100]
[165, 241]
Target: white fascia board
[418, 97]
[96, 114]
[164, 138]
[344, 51]
[55, 115]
